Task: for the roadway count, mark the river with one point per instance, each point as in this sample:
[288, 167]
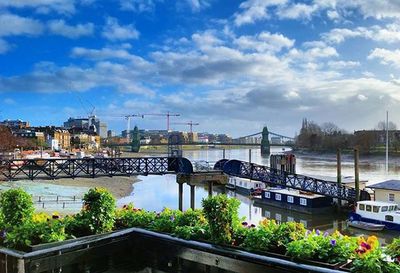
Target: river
[157, 192]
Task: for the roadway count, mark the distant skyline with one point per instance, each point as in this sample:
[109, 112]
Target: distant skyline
[232, 66]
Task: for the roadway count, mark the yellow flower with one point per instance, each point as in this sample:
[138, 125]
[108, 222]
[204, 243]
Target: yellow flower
[373, 241]
[40, 217]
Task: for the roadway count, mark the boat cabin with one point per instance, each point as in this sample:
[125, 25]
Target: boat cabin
[380, 211]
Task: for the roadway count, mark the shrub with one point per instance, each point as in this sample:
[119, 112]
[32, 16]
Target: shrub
[198, 232]
[393, 249]
[166, 221]
[221, 213]
[191, 218]
[16, 207]
[129, 216]
[98, 210]
[258, 238]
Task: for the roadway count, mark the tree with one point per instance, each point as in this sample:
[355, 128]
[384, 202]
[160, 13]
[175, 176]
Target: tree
[330, 128]
[7, 140]
[382, 126]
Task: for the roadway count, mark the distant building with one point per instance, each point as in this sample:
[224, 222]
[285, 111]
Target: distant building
[193, 137]
[90, 125]
[15, 124]
[110, 133]
[387, 191]
[30, 134]
[56, 138]
[78, 123]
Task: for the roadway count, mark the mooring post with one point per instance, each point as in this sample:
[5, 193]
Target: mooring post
[249, 155]
[223, 153]
[339, 174]
[180, 186]
[356, 174]
[192, 196]
[210, 188]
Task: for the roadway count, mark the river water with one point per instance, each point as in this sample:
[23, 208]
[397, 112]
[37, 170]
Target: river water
[157, 192]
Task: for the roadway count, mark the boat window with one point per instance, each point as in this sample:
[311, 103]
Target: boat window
[390, 208]
[384, 208]
[375, 209]
[391, 197]
[368, 208]
[267, 194]
[303, 201]
[396, 208]
[389, 218]
[278, 197]
[361, 206]
[290, 199]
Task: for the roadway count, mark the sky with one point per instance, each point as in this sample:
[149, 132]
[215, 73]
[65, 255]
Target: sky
[232, 66]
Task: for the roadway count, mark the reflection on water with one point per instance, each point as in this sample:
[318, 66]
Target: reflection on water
[157, 192]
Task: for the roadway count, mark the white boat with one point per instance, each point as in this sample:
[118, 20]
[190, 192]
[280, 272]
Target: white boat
[376, 212]
[365, 225]
[244, 185]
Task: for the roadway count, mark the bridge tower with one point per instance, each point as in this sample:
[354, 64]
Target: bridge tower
[135, 143]
[265, 145]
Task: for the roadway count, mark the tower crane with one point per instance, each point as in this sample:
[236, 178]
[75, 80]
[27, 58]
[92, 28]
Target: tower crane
[168, 115]
[128, 124]
[190, 123]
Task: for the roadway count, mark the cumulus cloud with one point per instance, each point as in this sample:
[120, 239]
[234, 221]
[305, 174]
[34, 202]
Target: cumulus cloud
[255, 10]
[4, 46]
[12, 24]
[264, 41]
[59, 27]
[138, 5]
[113, 31]
[387, 57]
[42, 6]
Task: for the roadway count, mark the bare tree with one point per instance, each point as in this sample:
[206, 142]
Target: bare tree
[382, 126]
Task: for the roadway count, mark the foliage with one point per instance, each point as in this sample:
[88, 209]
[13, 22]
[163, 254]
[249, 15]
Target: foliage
[129, 216]
[221, 213]
[191, 218]
[98, 210]
[393, 249]
[165, 221]
[197, 232]
[258, 238]
[370, 259]
[322, 247]
[16, 207]
[40, 230]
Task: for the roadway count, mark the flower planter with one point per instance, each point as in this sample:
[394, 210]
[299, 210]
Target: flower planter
[53, 244]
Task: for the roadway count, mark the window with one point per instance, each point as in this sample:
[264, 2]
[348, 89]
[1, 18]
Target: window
[391, 197]
[375, 209]
[267, 194]
[304, 222]
[303, 201]
[390, 208]
[290, 199]
[368, 208]
[384, 208]
[290, 219]
[389, 218]
[361, 207]
[267, 214]
[278, 217]
[278, 197]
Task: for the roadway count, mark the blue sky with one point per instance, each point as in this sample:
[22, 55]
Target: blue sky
[233, 66]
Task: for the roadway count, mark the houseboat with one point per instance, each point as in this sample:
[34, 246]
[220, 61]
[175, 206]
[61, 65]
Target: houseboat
[244, 186]
[376, 212]
[295, 200]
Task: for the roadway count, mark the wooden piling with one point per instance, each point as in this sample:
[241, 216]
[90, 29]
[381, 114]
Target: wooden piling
[339, 172]
[192, 196]
[356, 174]
[223, 153]
[180, 186]
[210, 188]
[249, 155]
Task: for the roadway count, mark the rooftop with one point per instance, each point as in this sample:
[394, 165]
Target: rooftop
[387, 185]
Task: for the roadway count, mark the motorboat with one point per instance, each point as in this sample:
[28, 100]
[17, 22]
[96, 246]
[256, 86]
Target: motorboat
[366, 225]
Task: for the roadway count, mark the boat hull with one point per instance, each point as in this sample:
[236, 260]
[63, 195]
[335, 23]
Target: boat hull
[366, 226]
[388, 225]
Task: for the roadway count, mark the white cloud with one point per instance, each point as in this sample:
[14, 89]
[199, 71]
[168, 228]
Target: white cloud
[138, 5]
[115, 32]
[4, 46]
[197, 5]
[16, 25]
[296, 11]
[42, 6]
[343, 64]
[264, 41]
[255, 10]
[59, 27]
[389, 34]
[386, 56]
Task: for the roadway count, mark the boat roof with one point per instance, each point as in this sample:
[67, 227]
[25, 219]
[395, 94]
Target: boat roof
[376, 203]
[293, 193]
[393, 185]
[345, 179]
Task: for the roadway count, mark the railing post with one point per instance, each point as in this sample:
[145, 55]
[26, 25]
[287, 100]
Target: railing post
[356, 174]
[180, 187]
